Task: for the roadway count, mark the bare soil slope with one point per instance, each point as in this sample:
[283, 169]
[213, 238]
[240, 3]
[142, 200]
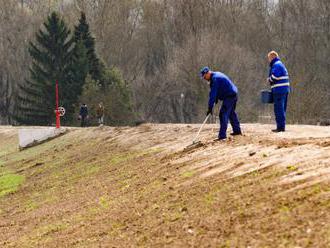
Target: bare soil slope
[138, 187]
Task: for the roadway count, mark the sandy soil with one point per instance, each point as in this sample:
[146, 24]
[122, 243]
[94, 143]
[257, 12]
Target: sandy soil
[140, 187]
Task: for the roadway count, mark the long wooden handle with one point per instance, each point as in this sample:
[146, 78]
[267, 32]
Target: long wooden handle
[207, 117]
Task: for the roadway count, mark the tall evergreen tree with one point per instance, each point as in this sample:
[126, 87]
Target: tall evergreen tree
[78, 70]
[52, 60]
[82, 33]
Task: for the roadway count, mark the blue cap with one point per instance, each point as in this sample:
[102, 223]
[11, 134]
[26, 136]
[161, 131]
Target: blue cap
[204, 71]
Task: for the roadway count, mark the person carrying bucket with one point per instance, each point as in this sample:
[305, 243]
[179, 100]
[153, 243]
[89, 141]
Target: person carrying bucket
[223, 89]
[280, 84]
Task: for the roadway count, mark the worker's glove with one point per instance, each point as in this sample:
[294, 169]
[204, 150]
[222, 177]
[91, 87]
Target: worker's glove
[270, 81]
[209, 111]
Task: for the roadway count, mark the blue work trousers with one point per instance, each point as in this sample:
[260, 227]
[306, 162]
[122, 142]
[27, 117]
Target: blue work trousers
[280, 104]
[227, 112]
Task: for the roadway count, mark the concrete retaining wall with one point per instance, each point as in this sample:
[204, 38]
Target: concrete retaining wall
[32, 136]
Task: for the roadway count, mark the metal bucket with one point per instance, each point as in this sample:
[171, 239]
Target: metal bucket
[266, 96]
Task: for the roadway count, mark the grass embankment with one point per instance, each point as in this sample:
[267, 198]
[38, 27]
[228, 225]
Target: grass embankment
[9, 182]
[87, 189]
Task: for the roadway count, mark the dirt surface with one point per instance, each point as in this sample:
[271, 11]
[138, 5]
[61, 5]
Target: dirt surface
[140, 187]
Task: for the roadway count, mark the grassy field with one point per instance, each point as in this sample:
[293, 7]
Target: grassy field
[138, 187]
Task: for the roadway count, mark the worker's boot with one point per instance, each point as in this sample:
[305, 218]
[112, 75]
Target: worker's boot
[234, 134]
[278, 130]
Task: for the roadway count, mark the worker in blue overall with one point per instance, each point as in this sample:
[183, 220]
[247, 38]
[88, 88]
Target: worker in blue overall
[280, 84]
[223, 89]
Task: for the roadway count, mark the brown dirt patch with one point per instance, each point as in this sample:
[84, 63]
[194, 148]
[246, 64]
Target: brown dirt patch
[121, 187]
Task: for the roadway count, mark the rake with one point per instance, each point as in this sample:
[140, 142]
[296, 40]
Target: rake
[197, 143]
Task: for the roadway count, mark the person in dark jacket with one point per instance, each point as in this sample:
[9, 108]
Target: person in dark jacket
[223, 89]
[280, 84]
[83, 115]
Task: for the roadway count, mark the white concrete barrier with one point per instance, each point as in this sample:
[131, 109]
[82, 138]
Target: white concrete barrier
[32, 136]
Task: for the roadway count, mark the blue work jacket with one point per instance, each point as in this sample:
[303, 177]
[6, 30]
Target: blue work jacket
[278, 77]
[221, 88]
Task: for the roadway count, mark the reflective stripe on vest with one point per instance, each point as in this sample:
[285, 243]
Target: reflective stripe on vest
[279, 78]
[279, 85]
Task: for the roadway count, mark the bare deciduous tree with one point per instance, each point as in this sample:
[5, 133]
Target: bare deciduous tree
[161, 45]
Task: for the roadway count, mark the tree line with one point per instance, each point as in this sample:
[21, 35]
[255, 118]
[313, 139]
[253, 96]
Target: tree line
[156, 48]
[71, 62]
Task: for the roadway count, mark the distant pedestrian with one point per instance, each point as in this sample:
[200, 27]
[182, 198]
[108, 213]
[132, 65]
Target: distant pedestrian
[100, 114]
[223, 89]
[83, 115]
[279, 81]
